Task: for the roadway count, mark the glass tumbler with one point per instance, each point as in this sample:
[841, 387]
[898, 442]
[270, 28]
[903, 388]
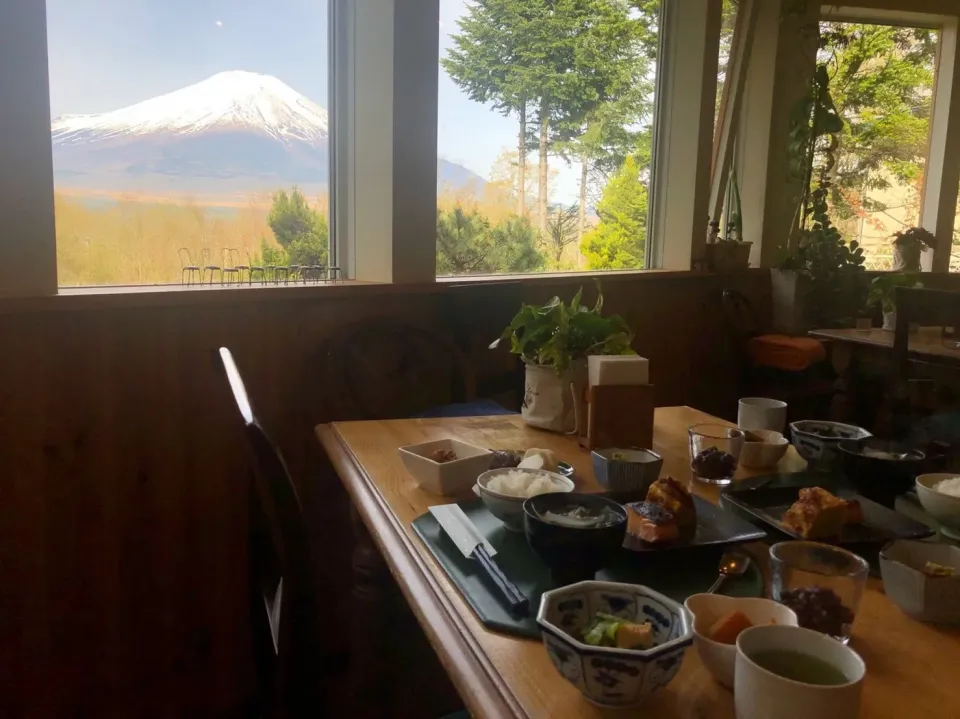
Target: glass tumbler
[714, 452]
[821, 583]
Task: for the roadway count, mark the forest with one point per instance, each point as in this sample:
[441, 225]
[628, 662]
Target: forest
[577, 77]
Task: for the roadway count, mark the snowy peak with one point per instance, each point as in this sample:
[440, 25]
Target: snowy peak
[228, 101]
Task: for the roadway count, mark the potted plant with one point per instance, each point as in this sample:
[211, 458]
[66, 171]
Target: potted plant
[730, 253]
[819, 281]
[554, 341]
[907, 246]
[883, 292]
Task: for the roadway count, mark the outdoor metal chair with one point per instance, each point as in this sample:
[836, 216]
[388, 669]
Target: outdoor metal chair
[187, 267]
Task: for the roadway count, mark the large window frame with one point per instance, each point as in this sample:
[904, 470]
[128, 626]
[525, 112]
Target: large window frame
[384, 86]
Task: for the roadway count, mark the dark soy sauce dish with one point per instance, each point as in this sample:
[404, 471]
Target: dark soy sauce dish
[574, 534]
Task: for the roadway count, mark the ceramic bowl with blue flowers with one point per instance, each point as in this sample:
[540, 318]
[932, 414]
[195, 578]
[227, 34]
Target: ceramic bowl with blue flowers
[606, 675]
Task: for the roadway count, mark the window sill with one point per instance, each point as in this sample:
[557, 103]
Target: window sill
[124, 297]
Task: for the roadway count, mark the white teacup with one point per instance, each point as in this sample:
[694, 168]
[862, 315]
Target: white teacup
[762, 413]
[762, 694]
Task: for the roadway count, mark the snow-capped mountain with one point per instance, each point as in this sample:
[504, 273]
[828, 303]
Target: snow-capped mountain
[227, 102]
[235, 131]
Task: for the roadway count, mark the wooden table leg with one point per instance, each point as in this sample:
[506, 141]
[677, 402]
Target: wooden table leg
[844, 388]
[393, 669]
[369, 620]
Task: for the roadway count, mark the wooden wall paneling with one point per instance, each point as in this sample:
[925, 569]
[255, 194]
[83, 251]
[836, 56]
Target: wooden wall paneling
[124, 482]
[25, 646]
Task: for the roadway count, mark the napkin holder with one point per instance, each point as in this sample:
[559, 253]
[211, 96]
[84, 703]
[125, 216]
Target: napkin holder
[619, 416]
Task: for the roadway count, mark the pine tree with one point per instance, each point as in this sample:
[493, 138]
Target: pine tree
[619, 241]
[300, 230]
[467, 244]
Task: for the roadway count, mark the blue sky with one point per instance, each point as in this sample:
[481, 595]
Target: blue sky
[107, 54]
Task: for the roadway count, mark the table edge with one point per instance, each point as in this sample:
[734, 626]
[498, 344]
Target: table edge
[476, 679]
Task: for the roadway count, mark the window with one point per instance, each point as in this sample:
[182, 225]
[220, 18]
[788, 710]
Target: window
[881, 79]
[186, 135]
[545, 135]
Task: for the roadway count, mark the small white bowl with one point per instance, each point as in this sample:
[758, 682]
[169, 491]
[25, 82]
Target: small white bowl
[507, 508]
[720, 659]
[925, 598]
[765, 454]
[942, 507]
[446, 478]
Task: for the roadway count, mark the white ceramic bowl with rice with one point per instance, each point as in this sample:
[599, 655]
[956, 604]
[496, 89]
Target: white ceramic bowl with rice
[503, 491]
[939, 494]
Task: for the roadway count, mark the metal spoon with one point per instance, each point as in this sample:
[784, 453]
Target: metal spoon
[732, 564]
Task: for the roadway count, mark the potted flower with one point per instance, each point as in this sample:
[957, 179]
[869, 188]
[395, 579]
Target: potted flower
[554, 341]
[883, 292]
[730, 253]
[907, 246]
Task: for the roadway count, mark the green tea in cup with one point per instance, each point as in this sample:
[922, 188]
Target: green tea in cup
[799, 667]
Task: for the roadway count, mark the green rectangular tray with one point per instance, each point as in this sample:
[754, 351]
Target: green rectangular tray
[675, 573]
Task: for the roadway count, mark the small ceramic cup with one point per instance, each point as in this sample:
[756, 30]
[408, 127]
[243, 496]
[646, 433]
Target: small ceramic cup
[762, 413]
[761, 694]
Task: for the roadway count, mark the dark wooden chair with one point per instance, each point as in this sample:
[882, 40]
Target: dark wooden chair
[925, 385]
[384, 368]
[807, 391]
[288, 653]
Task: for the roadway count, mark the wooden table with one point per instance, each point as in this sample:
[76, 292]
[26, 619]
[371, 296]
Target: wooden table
[854, 353]
[911, 666]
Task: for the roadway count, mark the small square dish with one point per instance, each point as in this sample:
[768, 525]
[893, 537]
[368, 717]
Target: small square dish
[767, 505]
[916, 577]
[445, 466]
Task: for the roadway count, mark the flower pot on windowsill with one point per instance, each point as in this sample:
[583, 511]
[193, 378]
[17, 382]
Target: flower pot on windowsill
[890, 320]
[727, 256]
[551, 401]
[906, 258]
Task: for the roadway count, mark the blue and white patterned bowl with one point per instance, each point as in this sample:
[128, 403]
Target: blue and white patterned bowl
[608, 676]
[626, 470]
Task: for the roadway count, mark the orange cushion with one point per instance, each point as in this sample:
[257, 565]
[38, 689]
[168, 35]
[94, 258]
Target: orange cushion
[788, 353]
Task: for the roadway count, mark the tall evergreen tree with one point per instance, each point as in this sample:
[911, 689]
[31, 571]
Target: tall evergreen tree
[619, 241]
[490, 62]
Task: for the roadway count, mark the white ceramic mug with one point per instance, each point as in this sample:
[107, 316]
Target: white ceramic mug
[762, 413]
[761, 694]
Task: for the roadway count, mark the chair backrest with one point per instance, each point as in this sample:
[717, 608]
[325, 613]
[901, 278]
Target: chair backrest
[283, 607]
[230, 257]
[739, 314]
[931, 308]
[185, 259]
[383, 368]
[204, 256]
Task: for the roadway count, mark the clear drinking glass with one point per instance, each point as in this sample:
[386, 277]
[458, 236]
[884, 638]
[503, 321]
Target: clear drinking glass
[821, 583]
[714, 452]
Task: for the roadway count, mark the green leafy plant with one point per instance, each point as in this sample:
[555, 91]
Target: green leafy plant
[883, 289]
[557, 334]
[834, 268]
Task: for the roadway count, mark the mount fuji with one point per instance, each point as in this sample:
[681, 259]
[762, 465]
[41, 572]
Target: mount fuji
[233, 132]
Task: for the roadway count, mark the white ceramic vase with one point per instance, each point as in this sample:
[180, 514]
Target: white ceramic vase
[890, 321]
[552, 401]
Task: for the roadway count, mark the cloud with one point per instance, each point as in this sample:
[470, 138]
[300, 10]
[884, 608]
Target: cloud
[218, 23]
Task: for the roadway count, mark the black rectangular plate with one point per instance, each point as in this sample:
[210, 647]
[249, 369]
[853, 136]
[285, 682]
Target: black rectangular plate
[767, 505]
[715, 528]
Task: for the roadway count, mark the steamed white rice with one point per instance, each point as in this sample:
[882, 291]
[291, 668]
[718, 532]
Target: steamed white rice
[524, 484]
[949, 486]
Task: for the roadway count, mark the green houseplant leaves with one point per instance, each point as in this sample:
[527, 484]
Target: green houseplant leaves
[557, 334]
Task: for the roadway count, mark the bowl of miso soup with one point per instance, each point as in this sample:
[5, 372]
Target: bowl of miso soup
[574, 534]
